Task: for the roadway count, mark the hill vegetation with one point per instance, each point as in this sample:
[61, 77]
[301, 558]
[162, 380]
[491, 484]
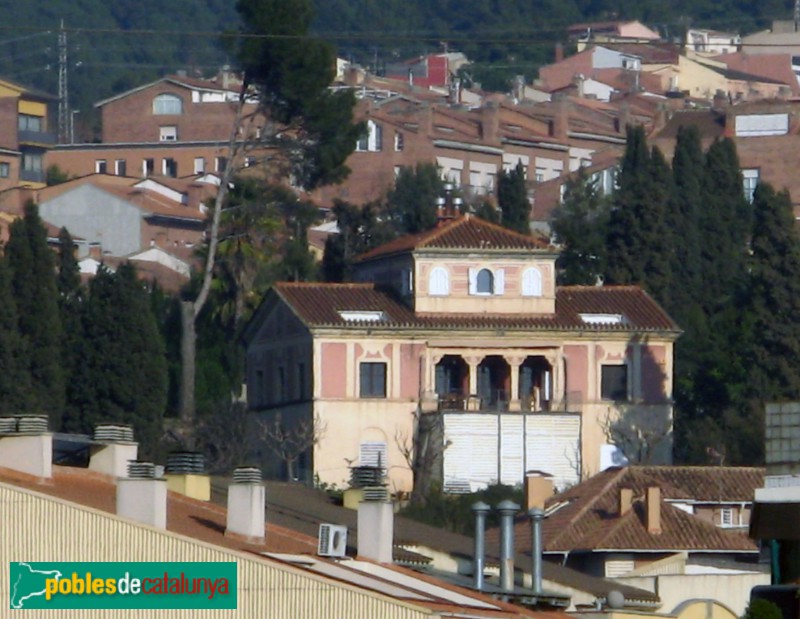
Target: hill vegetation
[113, 46]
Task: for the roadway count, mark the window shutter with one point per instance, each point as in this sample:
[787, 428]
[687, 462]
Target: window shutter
[499, 281]
[473, 281]
[532, 283]
[372, 453]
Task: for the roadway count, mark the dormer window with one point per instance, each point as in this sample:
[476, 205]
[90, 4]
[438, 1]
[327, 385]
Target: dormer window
[486, 281]
[167, 104]
[439, 282]
[532, 282]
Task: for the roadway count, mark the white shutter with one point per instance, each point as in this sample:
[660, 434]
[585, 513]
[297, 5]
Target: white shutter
[532, 283]
[499, 281]
[439, 282]
[473, 281]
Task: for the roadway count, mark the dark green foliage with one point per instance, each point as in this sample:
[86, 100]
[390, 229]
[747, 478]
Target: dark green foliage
[55, 176]
[123, 374]
[512, 197]
[412, 201]
[488, 212]
[68, 279]
[579, 225]
[360, 229]
[292, 72]
[34, 286]
[15, 393]
[762, 609]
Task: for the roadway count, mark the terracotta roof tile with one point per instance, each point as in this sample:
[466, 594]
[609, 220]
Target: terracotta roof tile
[464, 232]
[589, 517]
[318, 305]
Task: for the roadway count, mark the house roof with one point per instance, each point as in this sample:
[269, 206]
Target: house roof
[186, 82]
[303, 509]
[464, 232]
[586, 517]
[318, 305]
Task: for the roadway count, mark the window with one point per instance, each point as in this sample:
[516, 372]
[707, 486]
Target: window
[301, 381]
[439, 282]
[372, 141]
[220, 163]
[148, 167]
[398, 141]
[101, 166]
[27, 122]
[532, 282]
[32, 162]
[539, 177]
[614, 383]
[726, 517]
[250, 161]
[750, 180]
[5, 169]
[120, 167]
[486, 282]
[169, 167]
[167, 104]
[168, 133]
[372, 380]
[280, 384]
[199, 165]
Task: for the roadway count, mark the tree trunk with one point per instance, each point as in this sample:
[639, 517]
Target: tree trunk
[188, 358]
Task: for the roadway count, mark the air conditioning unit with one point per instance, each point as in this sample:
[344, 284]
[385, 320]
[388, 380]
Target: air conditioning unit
[332, 540]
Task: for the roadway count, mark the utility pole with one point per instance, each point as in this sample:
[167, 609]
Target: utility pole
[63, 94]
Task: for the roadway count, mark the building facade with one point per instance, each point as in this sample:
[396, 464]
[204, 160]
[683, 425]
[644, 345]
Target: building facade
[456, 353]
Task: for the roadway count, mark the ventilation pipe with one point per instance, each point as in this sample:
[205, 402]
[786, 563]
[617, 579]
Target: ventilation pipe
[142, 496]
[376, 525]
[26, 445]
[537, 515]
[507, 511]
[480, 510]
[112, 448]
[246, 505]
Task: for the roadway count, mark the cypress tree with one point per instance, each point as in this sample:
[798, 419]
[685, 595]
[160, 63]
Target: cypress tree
[34, 287]
[125, 370]
[512, 197]
[15, 391]
[625, 242]
[579, 225]
[412, 202]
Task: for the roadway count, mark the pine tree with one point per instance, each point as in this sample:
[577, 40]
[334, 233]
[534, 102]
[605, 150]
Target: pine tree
[512, 197]
[34, 287]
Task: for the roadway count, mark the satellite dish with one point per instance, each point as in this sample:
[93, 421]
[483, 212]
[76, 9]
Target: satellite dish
[615, 599]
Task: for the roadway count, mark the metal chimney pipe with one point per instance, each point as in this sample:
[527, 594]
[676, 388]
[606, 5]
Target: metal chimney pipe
[537, 515]
[480, 509]
[507, 511]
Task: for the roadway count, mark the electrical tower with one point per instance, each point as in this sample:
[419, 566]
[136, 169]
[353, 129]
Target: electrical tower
[63, 94]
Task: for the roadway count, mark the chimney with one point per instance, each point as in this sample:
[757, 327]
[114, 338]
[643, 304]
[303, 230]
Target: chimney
[247, 502]
[507, 511]
[625, 500]
[141, 496]
[538, 488]
[26, 445]
[560, 123]
[194, 196]
[537, 515]
[480, 510]
[376, 525]
[653, 509]
[112, 448]
[559, 55]
[186, 475]
[490, 121]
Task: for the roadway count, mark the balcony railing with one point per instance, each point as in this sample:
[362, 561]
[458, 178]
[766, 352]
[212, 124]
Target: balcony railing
[26, 136]
[33, 176]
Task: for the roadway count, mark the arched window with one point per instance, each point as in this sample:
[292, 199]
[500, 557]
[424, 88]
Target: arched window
[532, 282]
[439, 282]
[485, 282]
[167, 104]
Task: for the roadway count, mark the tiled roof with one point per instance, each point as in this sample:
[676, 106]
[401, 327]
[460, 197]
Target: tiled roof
[318, 305]
[465, 232]
[589, 518]
[155, 203]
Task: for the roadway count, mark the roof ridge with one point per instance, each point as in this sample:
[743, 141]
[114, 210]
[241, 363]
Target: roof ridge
[438, 231]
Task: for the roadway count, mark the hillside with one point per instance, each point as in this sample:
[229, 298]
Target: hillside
[112, 46]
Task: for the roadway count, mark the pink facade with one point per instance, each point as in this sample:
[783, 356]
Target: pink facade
[334, 378]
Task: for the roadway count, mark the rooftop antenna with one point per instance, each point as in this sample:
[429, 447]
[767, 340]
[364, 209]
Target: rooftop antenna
[63, 95]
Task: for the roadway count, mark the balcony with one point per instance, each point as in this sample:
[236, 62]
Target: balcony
[33, 176]
[36, 137]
